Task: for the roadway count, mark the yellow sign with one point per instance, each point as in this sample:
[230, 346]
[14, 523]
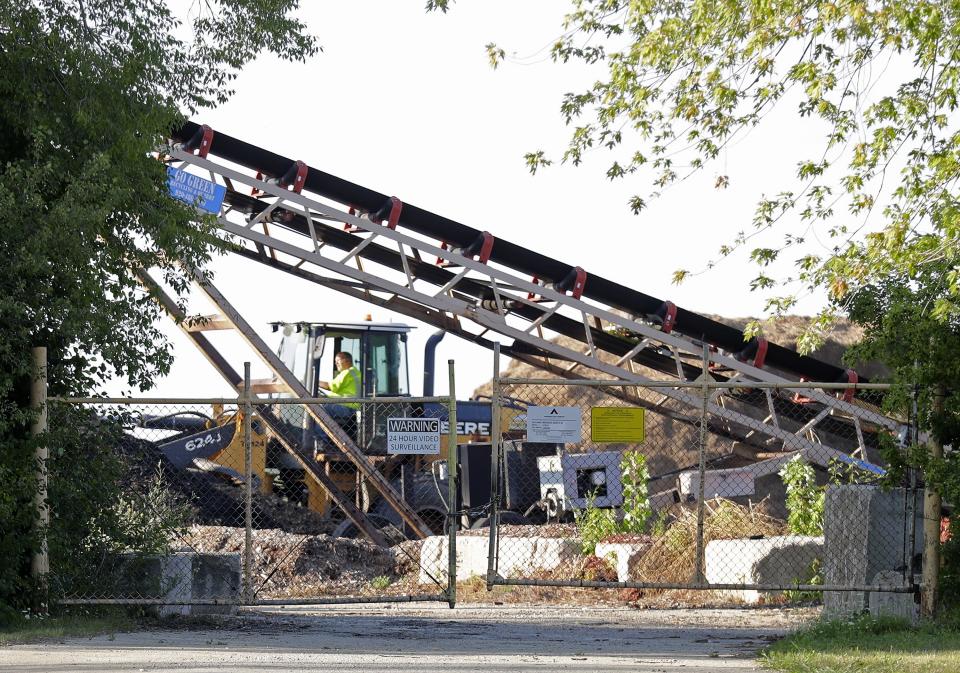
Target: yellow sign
[616, 424]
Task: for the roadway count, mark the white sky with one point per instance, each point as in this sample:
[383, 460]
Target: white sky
[405, 103]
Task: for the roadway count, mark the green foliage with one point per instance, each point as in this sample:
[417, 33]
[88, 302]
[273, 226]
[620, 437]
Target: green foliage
[380, 582]
[814, 575]
[804, 498]
[636, 495]
[868, 645]
[905, 329]
[59, 624]
[660, 524]
[88, 88]
[596, 524]
[101, 506]
[681, 82]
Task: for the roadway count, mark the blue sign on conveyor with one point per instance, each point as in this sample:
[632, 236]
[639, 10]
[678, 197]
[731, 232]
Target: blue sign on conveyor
[192, 189]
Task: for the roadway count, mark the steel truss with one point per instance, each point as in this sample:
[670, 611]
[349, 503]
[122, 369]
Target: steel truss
[464, 293]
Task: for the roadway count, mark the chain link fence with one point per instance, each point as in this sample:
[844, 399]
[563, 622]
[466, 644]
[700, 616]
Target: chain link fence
[221, 502]
[757, 492]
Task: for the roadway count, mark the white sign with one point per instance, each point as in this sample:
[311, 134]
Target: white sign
[553, 424]
[413, 435]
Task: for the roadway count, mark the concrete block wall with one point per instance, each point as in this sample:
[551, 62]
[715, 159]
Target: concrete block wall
[867, 541]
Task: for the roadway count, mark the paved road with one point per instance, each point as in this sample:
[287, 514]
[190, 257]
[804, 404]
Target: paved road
[489, 639]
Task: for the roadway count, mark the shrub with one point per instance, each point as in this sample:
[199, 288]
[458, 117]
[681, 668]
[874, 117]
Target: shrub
[804, 498]
[596, 524]
[636, 495]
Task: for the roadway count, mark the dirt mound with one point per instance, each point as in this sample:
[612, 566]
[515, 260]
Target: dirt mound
[786, 331]
[213, 499]
[288, 565]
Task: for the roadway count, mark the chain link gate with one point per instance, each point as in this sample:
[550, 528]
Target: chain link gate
[246, 501]
[606, 485]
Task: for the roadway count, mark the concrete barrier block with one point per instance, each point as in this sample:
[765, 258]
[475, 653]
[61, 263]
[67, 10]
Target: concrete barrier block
[867, 531]
[625, 556]
[519, 557]
[891, 603]
[779, 560]
[180, 577]
[730, 483]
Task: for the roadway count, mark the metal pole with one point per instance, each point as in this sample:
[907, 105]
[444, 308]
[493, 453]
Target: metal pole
[702, 467]
[40, 563]
[931, 520]
[247, 487]
[452, 509]
[494, 467]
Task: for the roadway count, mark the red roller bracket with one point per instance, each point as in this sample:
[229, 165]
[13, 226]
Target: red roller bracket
[486, 247]
[295, 177]
[669, 317]
[532, 296]
[199, 143]
[478, 251]
[573, 283]
[205, 141]
[396, 206]
[854, 378]
[440, 260]
[761, 355]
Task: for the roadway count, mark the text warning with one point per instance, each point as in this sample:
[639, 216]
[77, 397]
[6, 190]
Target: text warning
[413, 435]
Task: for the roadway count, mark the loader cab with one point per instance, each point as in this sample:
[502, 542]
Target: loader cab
[379, 351]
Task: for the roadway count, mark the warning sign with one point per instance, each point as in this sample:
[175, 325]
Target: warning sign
[413, 435]
[616, 424]
[553, 424]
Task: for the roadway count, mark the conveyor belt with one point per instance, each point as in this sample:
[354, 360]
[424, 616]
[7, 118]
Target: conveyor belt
[520, 259]
[398, 272]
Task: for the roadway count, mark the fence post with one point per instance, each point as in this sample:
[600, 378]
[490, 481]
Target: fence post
[452, 479]
[40, 563]
[911, 522]
[494, 466]
[247, 487]
[702, 466]
[931, 521]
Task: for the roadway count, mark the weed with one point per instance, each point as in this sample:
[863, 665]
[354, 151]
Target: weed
[380, 582]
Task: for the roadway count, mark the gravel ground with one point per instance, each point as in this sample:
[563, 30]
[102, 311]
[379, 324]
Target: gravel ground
[432, 638]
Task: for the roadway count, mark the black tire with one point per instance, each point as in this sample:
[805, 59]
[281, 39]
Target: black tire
[506, 519]
[347, 529]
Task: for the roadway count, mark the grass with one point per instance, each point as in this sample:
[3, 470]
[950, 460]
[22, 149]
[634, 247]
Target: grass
[868, 645]
[69, 625]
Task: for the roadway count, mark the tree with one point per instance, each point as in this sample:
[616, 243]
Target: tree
[922, 351]
[88, 89]
[683, 78]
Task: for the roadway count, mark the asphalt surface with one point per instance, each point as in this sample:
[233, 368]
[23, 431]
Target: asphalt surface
[384, 638]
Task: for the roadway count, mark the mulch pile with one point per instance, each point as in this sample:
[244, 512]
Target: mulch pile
[213, 500]
[290, 565]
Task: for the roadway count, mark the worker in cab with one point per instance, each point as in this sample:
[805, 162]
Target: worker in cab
[347, 383]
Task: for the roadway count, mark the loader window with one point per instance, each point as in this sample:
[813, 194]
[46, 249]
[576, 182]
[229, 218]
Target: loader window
[293, 352]
[387, 364]
[333, 343]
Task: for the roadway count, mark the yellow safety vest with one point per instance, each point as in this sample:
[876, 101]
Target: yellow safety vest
[347, 384]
